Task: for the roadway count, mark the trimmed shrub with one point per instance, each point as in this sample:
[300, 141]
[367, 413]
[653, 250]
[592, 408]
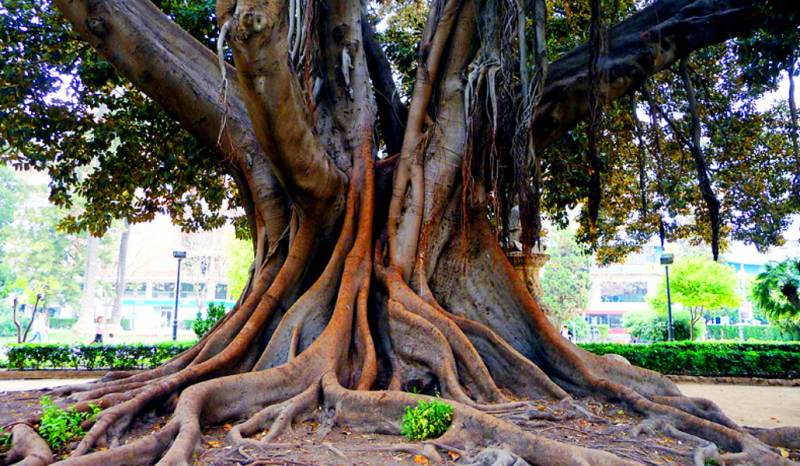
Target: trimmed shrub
[771, 360]
[62, 356]
[751, 332]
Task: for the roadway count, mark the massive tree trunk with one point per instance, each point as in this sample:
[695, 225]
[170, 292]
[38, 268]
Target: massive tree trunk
[372, 277]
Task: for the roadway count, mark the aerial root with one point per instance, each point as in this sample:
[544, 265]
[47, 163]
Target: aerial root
[29, 449]
[281, 415]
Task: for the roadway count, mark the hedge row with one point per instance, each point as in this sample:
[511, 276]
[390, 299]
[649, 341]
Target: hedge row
[710, 359]
[772, 360]
[62, 356]
[750, 332]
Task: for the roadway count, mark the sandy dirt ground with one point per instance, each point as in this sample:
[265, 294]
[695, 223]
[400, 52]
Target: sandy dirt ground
[751, 405]
[310, 444]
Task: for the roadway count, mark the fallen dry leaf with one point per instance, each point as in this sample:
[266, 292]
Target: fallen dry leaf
[419, 459]
[453, 455]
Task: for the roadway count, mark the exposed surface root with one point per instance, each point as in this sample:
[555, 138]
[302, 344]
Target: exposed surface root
[29, 449]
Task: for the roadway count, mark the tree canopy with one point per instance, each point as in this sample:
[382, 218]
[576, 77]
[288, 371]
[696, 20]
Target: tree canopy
[65, 109]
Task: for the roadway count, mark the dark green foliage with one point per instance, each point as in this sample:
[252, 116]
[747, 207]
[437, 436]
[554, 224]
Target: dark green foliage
[776, 290]
[772, 360]
[427, 420]
[58, 426]
[752, 332]
[652, 326]
[202, 325]
[52, 85]
[62, 356]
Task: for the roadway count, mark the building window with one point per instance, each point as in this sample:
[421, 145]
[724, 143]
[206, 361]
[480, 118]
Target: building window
[623, 292]
[166, 316]
[187, 290]
[163, 290]
[615, 321]
[597, 319]
[136, 290]
[221, 292]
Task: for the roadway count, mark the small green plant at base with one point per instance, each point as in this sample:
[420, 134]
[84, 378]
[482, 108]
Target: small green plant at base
[5, 441]
[427, 420]
[59, 426]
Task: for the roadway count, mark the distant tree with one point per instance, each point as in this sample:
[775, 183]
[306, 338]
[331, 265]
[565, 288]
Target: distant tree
[237, 267]
[651, 325]
[566, 282]
[775, 290]
[700, 285]
[9, 196]
[42, 257]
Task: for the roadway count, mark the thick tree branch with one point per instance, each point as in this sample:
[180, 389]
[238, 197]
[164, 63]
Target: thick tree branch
[640, 46]
[183, 77]
[703, 179]
[277, 106]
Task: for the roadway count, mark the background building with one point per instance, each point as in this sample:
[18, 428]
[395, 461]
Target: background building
[622, 288]
[150, 275]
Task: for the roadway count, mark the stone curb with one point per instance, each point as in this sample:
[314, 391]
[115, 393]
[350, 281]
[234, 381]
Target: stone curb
[735, 380]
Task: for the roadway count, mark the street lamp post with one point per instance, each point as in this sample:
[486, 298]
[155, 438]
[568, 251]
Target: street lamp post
[180, 255]
[667, 259]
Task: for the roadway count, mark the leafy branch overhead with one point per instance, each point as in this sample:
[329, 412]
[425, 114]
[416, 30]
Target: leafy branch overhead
[775, 290]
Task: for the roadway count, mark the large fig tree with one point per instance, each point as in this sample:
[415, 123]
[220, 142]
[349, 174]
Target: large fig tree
[377, 217]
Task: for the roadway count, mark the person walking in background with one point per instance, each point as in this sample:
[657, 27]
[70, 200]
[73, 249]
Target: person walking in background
[39, 329]
[565, 332]
[98, 329]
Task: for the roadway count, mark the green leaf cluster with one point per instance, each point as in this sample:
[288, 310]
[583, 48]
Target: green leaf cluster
[202, 325]
[427, 420]
[67, 112]
[650, 326]
[566, 282]
[775, 291]
[58, 426]
[697, 282]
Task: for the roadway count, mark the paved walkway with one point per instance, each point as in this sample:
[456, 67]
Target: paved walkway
[35, 384]
[751, 405]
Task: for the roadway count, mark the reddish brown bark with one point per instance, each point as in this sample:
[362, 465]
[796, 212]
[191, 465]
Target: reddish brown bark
[358, 296]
